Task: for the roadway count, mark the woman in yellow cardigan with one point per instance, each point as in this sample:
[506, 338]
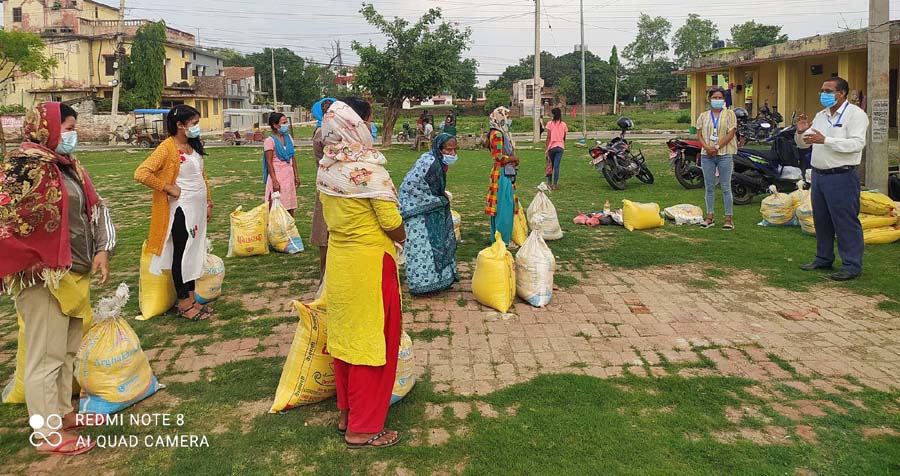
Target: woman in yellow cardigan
[360, 206]
[181, 207]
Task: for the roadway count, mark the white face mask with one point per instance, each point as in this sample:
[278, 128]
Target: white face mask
[67, 143]
[450, 159]
[193, 132]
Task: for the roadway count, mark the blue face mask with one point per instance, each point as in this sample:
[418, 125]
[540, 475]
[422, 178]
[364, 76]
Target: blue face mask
[283, 129]
[508, 123]
[193, 132]
[68, 142]
[450, 159]
[717, 103]
[827, 99]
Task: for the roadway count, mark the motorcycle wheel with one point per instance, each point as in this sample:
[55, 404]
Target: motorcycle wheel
[645, 175]
[741, 193]
[401, 137]
[609, 173]
[684, 176]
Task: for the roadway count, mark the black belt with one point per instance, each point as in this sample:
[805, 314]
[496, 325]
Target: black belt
[836, 170]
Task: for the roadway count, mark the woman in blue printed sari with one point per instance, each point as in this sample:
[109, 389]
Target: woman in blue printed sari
[431, 242]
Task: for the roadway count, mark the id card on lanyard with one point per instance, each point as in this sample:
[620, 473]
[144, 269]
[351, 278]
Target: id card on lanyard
[840, 116]
[714, 137]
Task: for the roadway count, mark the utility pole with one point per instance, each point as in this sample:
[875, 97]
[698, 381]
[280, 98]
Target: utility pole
[538, 95]
[117, 81]
[875, 165]
[615, 108]
[274, 96]
[583, 83]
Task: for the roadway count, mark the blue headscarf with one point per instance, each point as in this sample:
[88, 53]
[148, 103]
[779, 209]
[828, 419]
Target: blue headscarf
[283, 151]
[438, 143]
[317, 111]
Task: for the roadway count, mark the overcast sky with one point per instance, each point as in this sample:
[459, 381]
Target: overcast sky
[502, 32]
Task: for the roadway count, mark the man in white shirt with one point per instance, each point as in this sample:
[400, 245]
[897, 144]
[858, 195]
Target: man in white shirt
[429, 129]
[838, 136]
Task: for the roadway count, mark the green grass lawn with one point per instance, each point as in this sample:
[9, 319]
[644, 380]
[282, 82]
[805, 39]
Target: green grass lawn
[562, 424]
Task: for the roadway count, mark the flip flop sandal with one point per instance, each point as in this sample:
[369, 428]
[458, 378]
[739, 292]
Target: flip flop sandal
[373, 439]
[341, 431]
[96, 421]
[728, 226]
[197, 317]
[72, 442]
[708, 224]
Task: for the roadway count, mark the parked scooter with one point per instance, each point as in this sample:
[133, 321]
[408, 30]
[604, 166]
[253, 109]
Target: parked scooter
[616, 161]
[684, 158]
[406, 134]
[782, 165]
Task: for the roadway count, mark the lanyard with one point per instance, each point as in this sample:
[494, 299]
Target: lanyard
[840, 116]
[715, 122]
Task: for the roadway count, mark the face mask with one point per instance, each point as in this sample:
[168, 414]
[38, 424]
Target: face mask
[827, 99]
[193, 132]
[717, 103]
[450, 159]
[67, 143]
[509, 123]
[283, 129]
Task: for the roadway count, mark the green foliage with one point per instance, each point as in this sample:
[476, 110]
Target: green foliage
[614, 57]
[653, 76]
[650, 43]
[754, 35]
[495, 98]
[144, 70]
[23, 53]
[694, 37]
[565, 72]
[466, 79]
[418, 60]
[297, 81]
[12, 109]
[684, 118]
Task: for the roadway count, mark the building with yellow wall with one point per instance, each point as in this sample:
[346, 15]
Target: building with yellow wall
[81, 36]
[789, 75]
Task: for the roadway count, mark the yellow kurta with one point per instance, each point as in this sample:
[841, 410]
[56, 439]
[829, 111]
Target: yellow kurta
[356, 246]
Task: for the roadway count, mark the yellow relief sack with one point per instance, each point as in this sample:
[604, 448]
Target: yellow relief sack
[457, 220]
[520, 227]
[777, 209]
[874, 203]
[281, 230]
[877, 221]
[804, 215]
[248, 232]
[209, 285]
[156, 294]
[883, 235]
[641, 216]
[406, 376]
[112, 369]
[494, 280]
[308, 375]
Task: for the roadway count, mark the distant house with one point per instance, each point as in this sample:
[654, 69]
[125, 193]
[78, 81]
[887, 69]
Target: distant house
[442, 99]
[240, 86]
[207, 63]
[345, 79]
[480, 98]
[524, 98]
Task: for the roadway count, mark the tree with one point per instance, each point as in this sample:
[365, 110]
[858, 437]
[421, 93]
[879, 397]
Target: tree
[419, 60]
[466, 79]
[21, 54]
[495, 98]
[755, 35]
[650, 43]
[143, 72]
[614, 57]
[694, 37]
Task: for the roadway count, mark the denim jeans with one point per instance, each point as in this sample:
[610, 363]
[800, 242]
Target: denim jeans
[555, 154]
[725, 165]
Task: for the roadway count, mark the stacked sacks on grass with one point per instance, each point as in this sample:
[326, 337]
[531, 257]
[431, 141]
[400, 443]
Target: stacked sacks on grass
[281, 229]
[543, 207]
[494, 279]
[804, 214]
[879, 218]
[248, 232]
[112, 369]
[777, 209]
[641, 216]
[209, 285]
[535, 265]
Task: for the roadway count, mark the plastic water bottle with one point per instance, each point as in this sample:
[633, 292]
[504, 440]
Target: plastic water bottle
[606, 208]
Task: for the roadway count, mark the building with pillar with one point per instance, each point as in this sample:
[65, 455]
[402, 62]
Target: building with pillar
[789, 75]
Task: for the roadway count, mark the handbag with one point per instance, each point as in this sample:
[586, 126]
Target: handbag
[548, 170]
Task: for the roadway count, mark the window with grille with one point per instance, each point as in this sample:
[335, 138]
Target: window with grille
[110, 64]
[529, 92]
[17, 15]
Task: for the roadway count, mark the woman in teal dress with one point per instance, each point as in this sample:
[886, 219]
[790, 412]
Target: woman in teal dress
[431, 242]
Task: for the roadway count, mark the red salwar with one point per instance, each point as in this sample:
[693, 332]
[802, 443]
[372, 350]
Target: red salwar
[366, 390]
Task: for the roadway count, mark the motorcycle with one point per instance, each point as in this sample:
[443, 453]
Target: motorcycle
[759, 130]
[684, 158]
[406, 134]
[616, 161]
[782, 165]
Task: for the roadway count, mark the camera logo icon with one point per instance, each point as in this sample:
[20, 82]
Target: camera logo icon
[53, 437]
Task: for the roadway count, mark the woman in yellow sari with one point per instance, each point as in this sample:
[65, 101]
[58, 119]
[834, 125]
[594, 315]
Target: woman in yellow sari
[360, 206]
[55, 232]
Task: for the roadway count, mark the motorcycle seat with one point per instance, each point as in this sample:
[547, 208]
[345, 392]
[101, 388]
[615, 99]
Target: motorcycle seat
[769, 155]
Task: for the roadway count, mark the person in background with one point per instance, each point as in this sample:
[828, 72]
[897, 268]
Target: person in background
[449, 125]
[360, 205]
[716, 129]
[55, 232]
[319, 236]
[431, 242]
[837, 136]
[728, 95]
[279, 167]
[181, 207]
[556, 144]
[427, 128]
[502, 202]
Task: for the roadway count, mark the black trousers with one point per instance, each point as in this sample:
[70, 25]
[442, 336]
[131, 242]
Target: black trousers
[179, 239]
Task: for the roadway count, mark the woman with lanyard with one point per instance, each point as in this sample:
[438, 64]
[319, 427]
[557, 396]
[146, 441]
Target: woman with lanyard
[279, 167]
[716, 129]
